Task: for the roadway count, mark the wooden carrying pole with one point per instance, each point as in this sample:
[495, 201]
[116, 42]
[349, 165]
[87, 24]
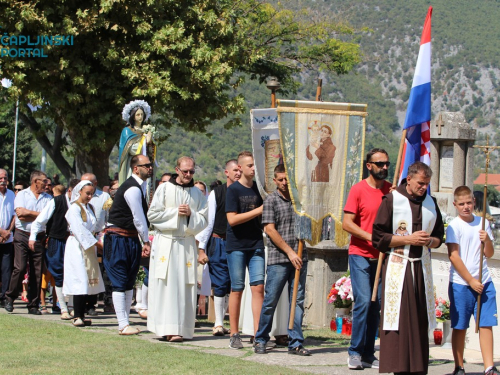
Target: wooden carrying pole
[478, 315]
[318, 90]
[295, 287]
[381, 256]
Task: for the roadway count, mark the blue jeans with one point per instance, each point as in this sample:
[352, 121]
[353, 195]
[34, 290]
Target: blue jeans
[366, 314]
[238, 261]
[277, 276]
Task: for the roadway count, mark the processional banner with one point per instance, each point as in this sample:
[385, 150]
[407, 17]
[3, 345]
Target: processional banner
[266, 147]
[322, 146]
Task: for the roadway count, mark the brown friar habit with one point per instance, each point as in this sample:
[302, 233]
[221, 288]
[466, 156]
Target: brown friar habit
[406, 350]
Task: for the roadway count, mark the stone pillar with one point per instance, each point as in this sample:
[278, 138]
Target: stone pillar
[459, 164]
[327, 263]
[469, 166]
[435, 166]
[451, 157]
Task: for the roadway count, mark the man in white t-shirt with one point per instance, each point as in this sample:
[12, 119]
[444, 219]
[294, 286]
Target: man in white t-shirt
[464, 238]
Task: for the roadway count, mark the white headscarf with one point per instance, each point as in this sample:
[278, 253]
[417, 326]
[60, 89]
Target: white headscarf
[75, 194]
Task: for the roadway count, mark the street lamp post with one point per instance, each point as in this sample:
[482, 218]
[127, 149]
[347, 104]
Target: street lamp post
[7, 83]
[273, 85]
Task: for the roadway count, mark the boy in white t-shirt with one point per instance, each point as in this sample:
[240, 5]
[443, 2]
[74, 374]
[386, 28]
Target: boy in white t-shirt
[463, 238]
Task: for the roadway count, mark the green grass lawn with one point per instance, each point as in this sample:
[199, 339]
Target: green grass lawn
[29, 346]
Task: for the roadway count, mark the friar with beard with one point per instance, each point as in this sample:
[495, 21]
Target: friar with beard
[359, 214]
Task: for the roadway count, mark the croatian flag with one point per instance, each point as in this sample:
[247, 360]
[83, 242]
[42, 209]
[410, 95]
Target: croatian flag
[418, 114]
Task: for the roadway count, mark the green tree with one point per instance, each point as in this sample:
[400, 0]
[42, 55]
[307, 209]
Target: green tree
[493, 195]
[183, 57]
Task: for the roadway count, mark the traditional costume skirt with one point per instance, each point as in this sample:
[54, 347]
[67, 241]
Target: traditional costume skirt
[54, 258]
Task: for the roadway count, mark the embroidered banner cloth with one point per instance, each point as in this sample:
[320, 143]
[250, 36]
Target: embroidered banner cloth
[322, 147]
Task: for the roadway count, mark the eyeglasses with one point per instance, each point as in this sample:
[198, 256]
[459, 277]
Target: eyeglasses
[149, 165]
[18, 189]
[192, 171]
[380, 164]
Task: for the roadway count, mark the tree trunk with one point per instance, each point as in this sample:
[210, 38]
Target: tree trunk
[96, 162]
[54, 149]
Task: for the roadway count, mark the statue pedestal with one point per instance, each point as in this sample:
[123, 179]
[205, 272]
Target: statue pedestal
[327, 263]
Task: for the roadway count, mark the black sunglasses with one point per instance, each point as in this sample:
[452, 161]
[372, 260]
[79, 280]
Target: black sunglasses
[18, 189]
[380, 164]
[192, 171]
[149, 165]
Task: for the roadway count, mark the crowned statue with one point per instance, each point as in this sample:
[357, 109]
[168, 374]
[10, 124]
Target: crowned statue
[137, 139]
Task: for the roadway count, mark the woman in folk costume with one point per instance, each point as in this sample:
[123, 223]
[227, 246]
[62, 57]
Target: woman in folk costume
[82, 275]
[137, 139]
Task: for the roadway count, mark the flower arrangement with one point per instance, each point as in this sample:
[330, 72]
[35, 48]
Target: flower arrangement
[151, 129]
[341, 292]
[442, 309]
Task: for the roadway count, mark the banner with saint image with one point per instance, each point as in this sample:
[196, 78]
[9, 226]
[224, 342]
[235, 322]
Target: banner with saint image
[266, 147]
[322, 146]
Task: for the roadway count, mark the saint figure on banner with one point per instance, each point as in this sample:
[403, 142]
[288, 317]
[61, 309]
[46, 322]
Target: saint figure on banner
[322, 150]
[400, 231]
[137, 139]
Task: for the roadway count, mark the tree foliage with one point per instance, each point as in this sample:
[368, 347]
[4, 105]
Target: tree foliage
[183, 57]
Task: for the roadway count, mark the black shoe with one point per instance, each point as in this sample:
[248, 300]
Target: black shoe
[9, 307]
[458, 371]
[2, 303]
[33, 311]
[56, 310]
[92, 312]
[259, 348]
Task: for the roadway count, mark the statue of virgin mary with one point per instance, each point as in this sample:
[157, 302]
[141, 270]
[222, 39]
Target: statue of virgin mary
[136, 139]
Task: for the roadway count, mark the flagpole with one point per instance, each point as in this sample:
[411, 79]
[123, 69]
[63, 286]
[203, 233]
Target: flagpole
[381, 255]
[15, 144]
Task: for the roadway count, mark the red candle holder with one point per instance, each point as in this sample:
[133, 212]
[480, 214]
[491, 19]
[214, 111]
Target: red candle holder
[333, 325]
[438, 336]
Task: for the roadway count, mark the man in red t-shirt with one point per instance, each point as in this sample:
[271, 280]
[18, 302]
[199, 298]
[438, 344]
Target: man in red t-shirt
[359, 214]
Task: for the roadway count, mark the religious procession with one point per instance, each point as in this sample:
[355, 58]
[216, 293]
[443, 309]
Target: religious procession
[305, 231]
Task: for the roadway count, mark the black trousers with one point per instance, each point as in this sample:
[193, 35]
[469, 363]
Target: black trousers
[6, 260]
[23, 254]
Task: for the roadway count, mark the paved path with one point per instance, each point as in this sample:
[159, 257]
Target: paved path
[326, 358]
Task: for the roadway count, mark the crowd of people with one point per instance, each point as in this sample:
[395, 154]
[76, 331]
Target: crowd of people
[84, 242]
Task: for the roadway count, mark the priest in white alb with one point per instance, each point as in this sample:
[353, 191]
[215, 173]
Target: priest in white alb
[178, 212]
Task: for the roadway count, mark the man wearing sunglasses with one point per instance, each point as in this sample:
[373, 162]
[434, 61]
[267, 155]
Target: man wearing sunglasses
[359, 213]
[178, 212]
[28, 205]
[127, 226]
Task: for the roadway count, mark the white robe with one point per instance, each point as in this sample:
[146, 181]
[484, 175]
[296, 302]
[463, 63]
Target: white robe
[172, 271]
[76, 281]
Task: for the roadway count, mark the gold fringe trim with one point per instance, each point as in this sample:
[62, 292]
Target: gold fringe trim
[316, 230]
[341, 236]
[321, 111]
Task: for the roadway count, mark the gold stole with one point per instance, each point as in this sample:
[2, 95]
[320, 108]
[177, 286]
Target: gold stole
[396, 266]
